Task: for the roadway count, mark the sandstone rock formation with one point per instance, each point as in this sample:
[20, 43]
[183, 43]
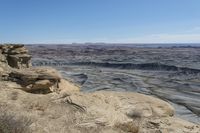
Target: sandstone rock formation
[16, 56]
[100, 112]
[15, 66]
[36, 79]
[68, 110]
[40, 80]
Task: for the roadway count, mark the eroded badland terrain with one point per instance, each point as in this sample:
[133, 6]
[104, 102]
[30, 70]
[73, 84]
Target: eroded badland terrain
[99, 89]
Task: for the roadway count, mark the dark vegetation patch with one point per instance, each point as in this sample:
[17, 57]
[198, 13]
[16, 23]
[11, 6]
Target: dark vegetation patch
[11, 123]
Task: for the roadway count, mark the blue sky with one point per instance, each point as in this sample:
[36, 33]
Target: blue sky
[128, 21]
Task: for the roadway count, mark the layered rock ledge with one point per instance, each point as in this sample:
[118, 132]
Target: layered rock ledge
[55, 105]
[16, 67]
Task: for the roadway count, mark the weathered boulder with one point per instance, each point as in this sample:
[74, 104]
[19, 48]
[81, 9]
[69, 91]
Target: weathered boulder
[40, 80]
[36, 79]
[68, 86]
[16, 56]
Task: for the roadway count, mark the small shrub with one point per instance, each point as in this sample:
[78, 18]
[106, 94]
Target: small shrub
[14, 95]
[130, 127]
[10, 123]
[135, 115]
[37, 105]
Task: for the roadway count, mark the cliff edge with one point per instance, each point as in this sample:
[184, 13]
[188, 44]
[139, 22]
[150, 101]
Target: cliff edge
[39, 100]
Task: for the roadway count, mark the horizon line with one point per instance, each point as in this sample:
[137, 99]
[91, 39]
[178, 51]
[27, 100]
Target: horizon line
[129, 43]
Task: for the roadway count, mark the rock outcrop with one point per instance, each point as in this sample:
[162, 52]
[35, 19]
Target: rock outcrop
[36, 80]
[16, 56]
[68, 110]
[40, 80]
[100, 112]
[15, 66]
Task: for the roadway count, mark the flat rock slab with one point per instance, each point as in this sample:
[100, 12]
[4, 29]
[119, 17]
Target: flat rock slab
[115, 112]
[122, 106]
[32, 79]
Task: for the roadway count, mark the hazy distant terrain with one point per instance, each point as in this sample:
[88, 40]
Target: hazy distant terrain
[170, 73]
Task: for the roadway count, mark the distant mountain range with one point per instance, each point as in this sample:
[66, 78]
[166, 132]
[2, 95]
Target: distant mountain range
[148, 45]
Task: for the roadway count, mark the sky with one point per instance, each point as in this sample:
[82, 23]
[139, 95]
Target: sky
[110, 21]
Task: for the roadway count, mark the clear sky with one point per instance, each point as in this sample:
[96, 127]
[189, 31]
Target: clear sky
[128, 21]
